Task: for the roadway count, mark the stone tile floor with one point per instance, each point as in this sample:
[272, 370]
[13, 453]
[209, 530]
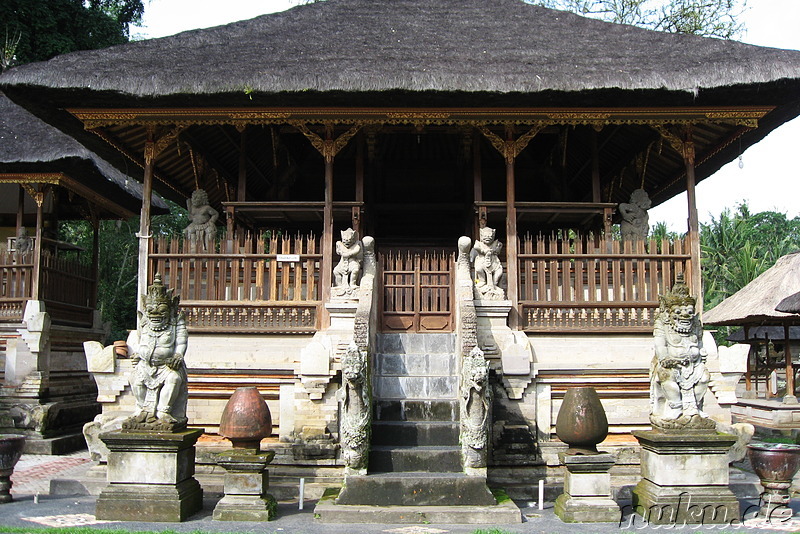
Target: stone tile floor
[33, 472]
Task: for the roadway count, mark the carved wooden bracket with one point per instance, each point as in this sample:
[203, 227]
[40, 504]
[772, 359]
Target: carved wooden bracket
[682, 141]
[510, 148]
[37, 195]
[156, 144]
[329, 146]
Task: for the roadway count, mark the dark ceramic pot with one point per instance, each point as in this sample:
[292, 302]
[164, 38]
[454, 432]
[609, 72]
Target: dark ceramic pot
[581, 421]
[246, 419]
[775, 464]
[10, 451]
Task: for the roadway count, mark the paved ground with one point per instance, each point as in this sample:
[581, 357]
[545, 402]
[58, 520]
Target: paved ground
[34, 507]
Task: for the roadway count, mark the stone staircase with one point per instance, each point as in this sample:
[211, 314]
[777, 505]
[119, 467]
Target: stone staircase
[415, 470]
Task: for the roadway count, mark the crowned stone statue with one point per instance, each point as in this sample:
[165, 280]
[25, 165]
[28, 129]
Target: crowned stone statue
[158, 380]
[678, 377]
[203, 228]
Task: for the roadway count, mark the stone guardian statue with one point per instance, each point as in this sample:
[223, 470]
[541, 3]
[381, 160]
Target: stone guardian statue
[348, 271]
[355, 424]
[203, 227]
[475, 402]
[158, 380]
[486, 262]
[678, 376]
[635, 222]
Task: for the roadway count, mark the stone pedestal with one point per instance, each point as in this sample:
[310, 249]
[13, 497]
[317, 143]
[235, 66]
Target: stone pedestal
[587, 489]
[246, 483]
[151, 476]
[685, 478]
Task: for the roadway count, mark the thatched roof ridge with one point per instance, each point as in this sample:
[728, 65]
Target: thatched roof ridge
[755, 303]
[28, 145]
[502, 46]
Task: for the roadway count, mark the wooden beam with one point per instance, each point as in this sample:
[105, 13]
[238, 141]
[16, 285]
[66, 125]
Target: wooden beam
[242, 185]
[789, 396]
[144, 217]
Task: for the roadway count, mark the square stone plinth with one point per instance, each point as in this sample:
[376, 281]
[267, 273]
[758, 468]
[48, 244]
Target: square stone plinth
[587, 490]
[151, 475]
[685, 478]
[246, 484]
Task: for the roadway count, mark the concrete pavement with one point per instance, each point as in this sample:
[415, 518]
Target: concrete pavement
[35, 508]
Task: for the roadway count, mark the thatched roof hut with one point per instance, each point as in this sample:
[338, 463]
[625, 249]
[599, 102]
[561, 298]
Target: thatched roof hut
[30, 148]
[790, 304]
[418, 55]
[755, 303]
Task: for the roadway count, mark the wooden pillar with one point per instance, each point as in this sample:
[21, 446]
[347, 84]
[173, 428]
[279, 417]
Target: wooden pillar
[748, 380]
[694, 226]
[358, 211]
[789, 397]
[144, 217]
[327, 227]
[241, 187]
[20, 209]
[511, 233]
[37, 246]
[95, 220]
[596, 196]
[477, 185]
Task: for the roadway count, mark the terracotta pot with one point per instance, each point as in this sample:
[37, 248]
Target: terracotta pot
[246, 419]
[10, 450]
[581, 421]
[775, 464]
[121, 349]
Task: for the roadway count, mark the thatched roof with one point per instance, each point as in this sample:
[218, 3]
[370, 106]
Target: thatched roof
[420, 54]
[757, 334]
[790, 304]
[28, 145]
[503, 46]
[755, 303]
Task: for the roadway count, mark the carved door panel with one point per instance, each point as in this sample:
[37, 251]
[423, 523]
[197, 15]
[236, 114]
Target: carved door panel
[416, 291]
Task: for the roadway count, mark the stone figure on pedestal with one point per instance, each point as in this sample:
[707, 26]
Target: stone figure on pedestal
[679, 378]
[23, 244]
[158, 379]
[635, 222]
[475, 403]
[348, 271]
[486, 261]
[203, 227]
[356, 402]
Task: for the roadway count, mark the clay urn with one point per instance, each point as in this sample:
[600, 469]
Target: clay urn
[246, 419]
[10, 451]
[121, 348]
[775, 464]
[581, 421]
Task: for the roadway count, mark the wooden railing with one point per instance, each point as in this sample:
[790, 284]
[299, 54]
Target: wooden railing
[249, 284]
[66, 286]
[570, 282]
[16, 275]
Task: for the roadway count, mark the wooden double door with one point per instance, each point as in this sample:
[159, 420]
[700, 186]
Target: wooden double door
[416, 290]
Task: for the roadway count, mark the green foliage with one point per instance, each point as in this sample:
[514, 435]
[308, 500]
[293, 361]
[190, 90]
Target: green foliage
[36, 30]
[738, 246]
[714, 18]
[118, 262]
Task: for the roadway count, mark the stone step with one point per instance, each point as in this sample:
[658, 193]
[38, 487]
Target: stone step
[416, 489]
[402, 433]
[415, 387]
[413, 364]
[387, 459]
[402, 343]
[417, 410]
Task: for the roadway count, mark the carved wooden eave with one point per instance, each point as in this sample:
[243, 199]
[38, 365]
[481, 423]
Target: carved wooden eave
[30, 180]
[741, 116]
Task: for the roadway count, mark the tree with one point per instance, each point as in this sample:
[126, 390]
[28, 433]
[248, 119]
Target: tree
[713, 18]
[737, 247]
[37, 30]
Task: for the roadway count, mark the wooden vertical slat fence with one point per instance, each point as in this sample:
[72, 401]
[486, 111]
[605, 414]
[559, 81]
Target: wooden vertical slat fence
[573, 282]
[248, 284]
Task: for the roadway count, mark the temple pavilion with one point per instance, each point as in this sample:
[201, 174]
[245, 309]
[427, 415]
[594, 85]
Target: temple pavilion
[418, 122]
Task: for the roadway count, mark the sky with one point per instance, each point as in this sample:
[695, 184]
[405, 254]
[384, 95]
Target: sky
[769, 176]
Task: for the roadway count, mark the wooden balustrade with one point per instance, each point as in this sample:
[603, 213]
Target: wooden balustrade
[248, 284]
[65, 285]
[576, 283]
